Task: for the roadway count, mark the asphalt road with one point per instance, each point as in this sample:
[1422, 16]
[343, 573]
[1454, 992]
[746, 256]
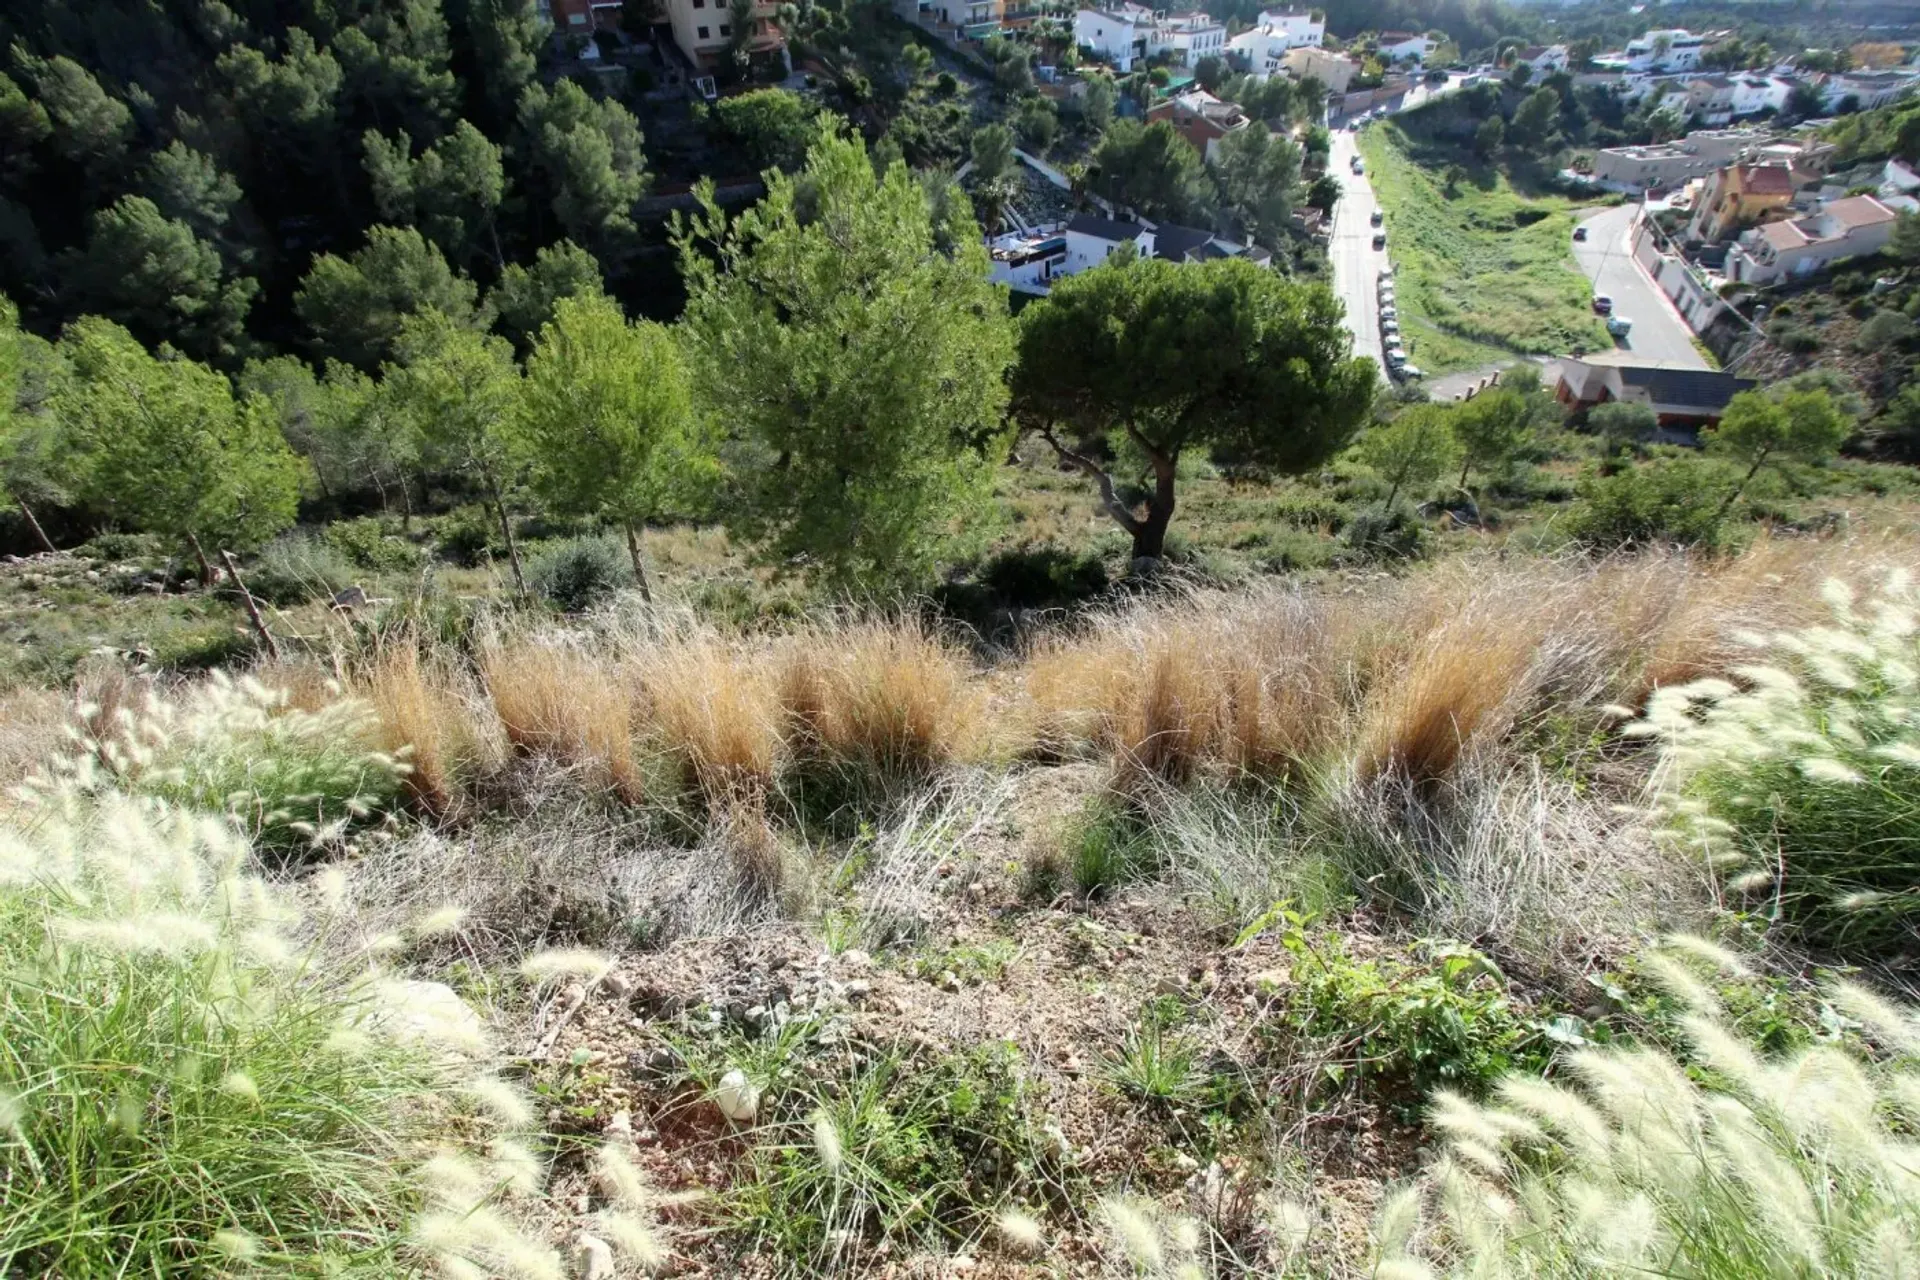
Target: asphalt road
[1356, 264]
[1659, 336]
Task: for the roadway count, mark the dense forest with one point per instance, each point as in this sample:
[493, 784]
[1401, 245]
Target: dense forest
[239, 180]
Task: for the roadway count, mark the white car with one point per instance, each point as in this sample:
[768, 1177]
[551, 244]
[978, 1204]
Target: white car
[1389, 313]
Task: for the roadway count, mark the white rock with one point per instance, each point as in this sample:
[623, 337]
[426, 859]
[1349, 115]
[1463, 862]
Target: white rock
[854, 958]
[593, 1258]
[617, 985]
[619, 1125]
[737, 1097]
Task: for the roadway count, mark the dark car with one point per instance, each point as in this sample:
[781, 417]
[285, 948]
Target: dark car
[1379, 239]
[1579, 233]
[1378, 218]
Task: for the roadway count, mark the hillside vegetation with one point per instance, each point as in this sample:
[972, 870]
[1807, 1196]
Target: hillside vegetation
[1484, 272]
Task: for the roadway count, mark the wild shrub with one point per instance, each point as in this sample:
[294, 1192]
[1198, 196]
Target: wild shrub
[196, 1080]
[297, 567]
[1410, 1026]
[295, 779]
[367, 545]
[580, 573]
[1726, 1162]
[1675, 501]
[887, 1153]
[1801, 782]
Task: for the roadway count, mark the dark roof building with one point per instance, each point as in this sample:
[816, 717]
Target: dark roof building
[1089, 224]
[1678, 397]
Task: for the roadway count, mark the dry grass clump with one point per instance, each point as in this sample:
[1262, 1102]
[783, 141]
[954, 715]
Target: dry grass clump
[888, 697]
[421, 704]
[1259, 685]
[711, 706]
[555, 700]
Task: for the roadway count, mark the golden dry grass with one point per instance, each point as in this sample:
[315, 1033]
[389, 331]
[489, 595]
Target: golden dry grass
[711, 706]
[559, 701]
[890, 697]
[421, 706]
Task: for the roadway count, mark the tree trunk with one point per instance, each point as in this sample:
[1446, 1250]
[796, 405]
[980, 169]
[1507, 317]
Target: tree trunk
[1150, 534]
[639, 571]
[1464, 468]
[199, 553]
[33, 523]
[406, 504]
[1726, 504]
[1392, 493]
[253, 610]
[506, 532]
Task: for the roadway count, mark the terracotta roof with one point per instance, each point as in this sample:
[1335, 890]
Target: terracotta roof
[1784, 235]
[1858, 211]
[1766, 179]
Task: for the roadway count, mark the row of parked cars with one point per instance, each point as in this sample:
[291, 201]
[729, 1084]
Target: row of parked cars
[1397, 366]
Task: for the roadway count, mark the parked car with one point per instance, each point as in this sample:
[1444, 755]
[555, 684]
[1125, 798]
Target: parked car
[1619, 326]
[1602, 304]
[1395, 357]
[1380, 239]
[1359, 166]
[1386, 273]
[1408, 372]
[1389, 312]
[1379, 217]
[1579, 233]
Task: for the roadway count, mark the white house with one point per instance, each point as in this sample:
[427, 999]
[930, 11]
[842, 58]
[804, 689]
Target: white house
[1300, 26]
[1091, 240]
[1188, 37]
[1262, 47]
[1671, 50]
[1868, 89]
[1029, 261]
[1401, 46]
[1118, 35]
[1845, 228]
[1754, 93]
[1543, 59]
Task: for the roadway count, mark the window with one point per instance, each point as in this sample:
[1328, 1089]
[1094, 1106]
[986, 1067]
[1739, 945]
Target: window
[725, 30]
[703, 33]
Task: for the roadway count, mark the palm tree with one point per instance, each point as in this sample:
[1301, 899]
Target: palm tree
[991, 199]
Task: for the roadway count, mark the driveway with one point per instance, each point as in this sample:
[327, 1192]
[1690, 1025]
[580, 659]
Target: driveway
[1356, 264]
[1660, 336]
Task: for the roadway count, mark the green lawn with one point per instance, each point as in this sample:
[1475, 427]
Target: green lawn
[1483, 274]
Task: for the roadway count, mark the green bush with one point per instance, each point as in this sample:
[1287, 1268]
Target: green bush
[1802, 783]
[1412, 1024]
[297, 567]
[191, 1084]
[1378, 534]
[580, 573]
[142, 547]
[1672, 500]
[367, 545]
[1722, 1162]
[465, 534]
